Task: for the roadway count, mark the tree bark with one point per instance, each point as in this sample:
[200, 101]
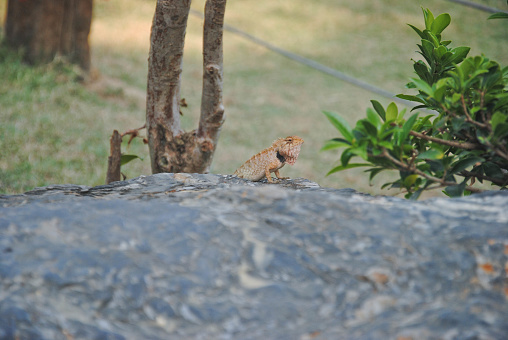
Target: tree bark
[115, 159]
[212, 107]
[172, 149]
[47, 28]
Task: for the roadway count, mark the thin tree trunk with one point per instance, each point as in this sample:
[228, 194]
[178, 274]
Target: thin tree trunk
[115, 158]
[47, 28]
[212, 107]
[172, 149]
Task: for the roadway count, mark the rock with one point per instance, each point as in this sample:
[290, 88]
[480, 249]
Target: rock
[188, 256]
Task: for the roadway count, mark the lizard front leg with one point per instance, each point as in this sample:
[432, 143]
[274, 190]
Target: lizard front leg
[268, 175]
[279, 176]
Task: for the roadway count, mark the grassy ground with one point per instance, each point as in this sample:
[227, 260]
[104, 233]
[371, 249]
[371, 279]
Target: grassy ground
[56, 130]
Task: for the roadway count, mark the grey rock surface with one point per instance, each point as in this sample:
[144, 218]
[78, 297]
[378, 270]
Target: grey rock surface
[186, 256]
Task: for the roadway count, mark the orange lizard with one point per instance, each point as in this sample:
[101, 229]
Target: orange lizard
[282, 151]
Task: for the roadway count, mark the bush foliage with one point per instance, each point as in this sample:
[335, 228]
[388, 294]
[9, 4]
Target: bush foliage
[461, 139]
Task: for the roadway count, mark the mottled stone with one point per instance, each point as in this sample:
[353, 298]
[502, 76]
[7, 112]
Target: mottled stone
[190, 256]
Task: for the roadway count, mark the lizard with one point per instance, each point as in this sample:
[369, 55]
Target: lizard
[283, 151]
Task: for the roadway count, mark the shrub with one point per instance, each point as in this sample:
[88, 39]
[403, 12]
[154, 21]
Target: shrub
[461, 139]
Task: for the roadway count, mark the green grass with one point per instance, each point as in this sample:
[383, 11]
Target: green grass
[54, 129]
[48, 134]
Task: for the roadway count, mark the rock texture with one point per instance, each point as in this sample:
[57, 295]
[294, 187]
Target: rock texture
[181, 256]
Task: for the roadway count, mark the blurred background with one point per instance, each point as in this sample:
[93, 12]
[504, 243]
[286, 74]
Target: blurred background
[55, 129]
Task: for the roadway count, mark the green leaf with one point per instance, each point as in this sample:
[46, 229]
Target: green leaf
[501, 130]
[335, 144]
[419, 107]
[502, 100]
[432, 165]
[410, 180]
[415, 195]
[374, 172]
[500, 15]
[410, 85]
[455, 190]
[401, 114]
[441, 88]
[406, 128]
[497, 118]
[422, 71]
[420, 33]
[428, 17]
[432, 38]
[411, 98]
[376, 151]
[459, 54]
[465, 163]
[358, 135]
[379, 109]
[440, 23]
[458, 123]
[340, 124]
[456, 97]
[349, 166]
[439, 123]
[373, 118]
[431, 154]
[423, 86]
[391, 111]
[127, 158]
[440, 51]
[369, 127]
[427, 48]
[346, 157]
[492, 170]
[391, 184]
[360, 151]
[446, 59]
[386, 144]
[423, 122]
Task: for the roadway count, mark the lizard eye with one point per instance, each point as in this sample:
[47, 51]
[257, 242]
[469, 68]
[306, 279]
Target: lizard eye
[289, 139]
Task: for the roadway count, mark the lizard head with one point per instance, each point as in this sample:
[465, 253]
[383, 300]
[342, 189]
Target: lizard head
[289, 148]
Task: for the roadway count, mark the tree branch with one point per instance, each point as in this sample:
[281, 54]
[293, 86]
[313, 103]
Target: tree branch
[114, 160]
[463, 145]
[497, 150]
[165, 63]
[164, 77]
[413, 169]
[212, 108]
[498, 181]
[468, 117]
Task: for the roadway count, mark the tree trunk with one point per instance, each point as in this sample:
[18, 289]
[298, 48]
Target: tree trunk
[172, 149]
[47, 28]
[115, 158]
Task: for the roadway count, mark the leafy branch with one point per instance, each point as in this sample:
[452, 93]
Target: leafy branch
[116, 158]
[465, 142]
